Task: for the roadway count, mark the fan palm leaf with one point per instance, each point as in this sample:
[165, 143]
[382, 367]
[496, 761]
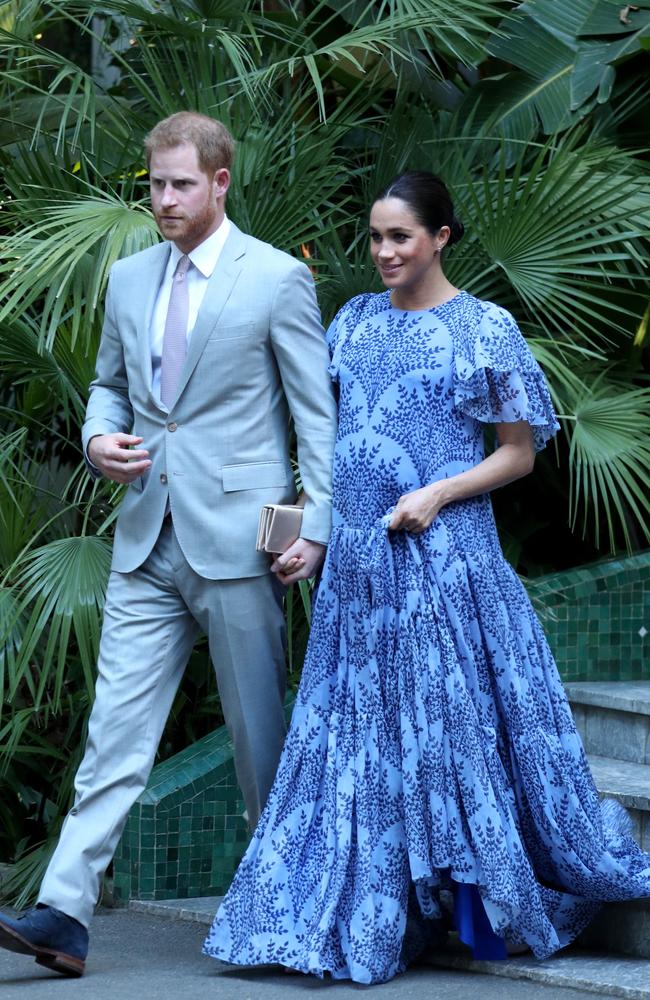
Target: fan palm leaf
[61, 588]
[63, 372]
[65, 255]
[610, 457]
[560, 233]
[247, 49]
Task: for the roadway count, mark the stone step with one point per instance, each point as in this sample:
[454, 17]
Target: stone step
[606, 975]
[613, 718]
[200, 910]
[629, 784]
[621, 929]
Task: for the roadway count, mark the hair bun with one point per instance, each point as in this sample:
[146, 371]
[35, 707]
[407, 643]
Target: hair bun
[457, 230]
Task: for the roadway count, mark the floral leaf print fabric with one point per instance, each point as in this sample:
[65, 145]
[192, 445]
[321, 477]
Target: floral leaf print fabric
[431, 746]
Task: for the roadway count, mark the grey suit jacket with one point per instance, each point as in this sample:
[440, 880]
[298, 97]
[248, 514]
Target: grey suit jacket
[257, 354]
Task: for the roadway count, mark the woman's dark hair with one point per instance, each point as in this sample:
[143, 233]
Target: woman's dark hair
[428, 199]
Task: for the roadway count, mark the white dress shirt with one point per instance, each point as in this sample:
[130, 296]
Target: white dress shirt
[204, 259]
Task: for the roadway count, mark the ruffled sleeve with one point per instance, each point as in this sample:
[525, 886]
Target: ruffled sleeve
[496, 379]
[340, 329]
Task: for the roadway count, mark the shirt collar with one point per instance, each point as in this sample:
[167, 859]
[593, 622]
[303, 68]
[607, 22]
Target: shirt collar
[205, 256]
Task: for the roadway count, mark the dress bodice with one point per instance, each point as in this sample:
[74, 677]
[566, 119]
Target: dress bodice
[415, 391]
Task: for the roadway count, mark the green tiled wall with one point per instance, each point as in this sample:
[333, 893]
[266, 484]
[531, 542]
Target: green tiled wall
[186, 833]
[597, 619]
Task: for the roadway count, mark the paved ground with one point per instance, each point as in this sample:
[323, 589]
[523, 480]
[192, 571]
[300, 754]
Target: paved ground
[140, 956]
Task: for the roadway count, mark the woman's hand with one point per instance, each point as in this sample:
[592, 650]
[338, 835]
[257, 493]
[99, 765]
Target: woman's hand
[415, 511]
[299, 562]
[514, 458]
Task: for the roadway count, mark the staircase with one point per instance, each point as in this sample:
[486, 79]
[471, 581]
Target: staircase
[613, 719]
[611, 957]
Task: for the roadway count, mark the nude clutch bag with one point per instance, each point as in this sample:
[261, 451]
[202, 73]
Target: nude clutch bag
[279, 526]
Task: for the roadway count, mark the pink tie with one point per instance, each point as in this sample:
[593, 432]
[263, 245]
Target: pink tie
[174, 346]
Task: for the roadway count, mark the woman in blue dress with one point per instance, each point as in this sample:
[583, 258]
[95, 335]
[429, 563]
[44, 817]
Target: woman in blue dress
[431, 746]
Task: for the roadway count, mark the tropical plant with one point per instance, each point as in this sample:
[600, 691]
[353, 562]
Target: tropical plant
[531, 115]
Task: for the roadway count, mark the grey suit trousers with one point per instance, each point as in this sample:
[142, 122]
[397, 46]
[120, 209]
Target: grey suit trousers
[151, 619]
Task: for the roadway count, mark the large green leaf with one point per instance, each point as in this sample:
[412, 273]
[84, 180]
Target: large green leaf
[558, 68]
[547, 63]
[61, 587]
[24, 362]
[64, 256]
[610, 459]
[559, 229]
[605, 17]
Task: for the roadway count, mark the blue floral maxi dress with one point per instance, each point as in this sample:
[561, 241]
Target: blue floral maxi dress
[431, 745]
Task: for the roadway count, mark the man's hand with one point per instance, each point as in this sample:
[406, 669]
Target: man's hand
[117, 457]
[299, 562]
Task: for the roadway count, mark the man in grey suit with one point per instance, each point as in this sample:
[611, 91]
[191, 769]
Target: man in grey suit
[211, 341]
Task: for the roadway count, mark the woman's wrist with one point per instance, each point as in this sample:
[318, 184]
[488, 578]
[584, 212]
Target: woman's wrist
[443, 491]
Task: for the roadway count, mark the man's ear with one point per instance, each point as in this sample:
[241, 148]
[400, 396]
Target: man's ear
[221, 182]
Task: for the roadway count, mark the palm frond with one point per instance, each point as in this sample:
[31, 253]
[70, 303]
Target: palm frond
[610, 459]
[69, 103]
[65, 255]
[235, 36]
[287, 177]
[560, 232]
[562, 364]
[24, 362]
[61, 587]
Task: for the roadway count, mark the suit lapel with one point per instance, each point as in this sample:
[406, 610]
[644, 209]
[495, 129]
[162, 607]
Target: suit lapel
[220, 286]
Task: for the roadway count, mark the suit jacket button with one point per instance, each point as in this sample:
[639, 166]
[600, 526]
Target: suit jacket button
[172, 427]
[163, 477]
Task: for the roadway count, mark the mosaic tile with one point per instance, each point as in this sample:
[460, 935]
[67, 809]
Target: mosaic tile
[595, 616]
[191, 811]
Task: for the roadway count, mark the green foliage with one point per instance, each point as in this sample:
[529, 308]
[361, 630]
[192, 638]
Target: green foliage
[531, 112]
[563, 60]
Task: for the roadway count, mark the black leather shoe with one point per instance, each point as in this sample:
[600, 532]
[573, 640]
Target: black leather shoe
[54, 939]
